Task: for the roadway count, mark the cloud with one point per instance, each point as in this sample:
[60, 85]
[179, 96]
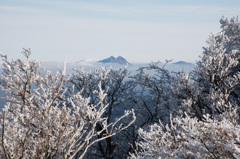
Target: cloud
[137, 11]
[146, 9]
[9, 9]
[121, 9]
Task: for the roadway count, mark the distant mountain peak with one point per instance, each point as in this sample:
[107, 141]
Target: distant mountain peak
[112, 59]
[182, 63]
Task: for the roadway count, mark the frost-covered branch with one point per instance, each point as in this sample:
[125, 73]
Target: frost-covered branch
[40, 121]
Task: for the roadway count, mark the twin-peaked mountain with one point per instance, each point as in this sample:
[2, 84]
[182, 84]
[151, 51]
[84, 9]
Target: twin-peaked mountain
[118, 60]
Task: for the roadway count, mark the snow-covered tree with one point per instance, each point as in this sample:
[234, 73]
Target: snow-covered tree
[182, 94]
[214, 75]
[231, 28]
[188, 137]
[215, 81]
[36, 123]
[205, 122]
[151, 93]
[117, 87]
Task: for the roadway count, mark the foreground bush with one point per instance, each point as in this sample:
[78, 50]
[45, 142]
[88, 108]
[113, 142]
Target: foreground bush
[36, 123]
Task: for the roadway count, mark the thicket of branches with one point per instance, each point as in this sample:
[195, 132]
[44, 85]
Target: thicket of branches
[106, 113]
[204, 121]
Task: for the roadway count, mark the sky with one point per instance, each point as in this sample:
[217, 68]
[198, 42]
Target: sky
[138, 30]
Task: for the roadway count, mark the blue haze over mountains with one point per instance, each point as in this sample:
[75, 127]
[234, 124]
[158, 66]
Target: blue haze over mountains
[111, 61]
[121, 62]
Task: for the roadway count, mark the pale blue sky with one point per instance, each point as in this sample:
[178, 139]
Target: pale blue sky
[139, 30]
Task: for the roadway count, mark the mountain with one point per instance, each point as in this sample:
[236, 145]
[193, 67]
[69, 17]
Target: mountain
[183, 63]
[180, 66]
[119, 60]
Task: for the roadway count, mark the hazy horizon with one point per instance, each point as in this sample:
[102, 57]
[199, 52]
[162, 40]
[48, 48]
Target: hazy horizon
[95, 60]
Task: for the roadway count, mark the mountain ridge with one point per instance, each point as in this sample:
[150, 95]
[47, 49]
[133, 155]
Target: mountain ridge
[182, 63]
[119, 60]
